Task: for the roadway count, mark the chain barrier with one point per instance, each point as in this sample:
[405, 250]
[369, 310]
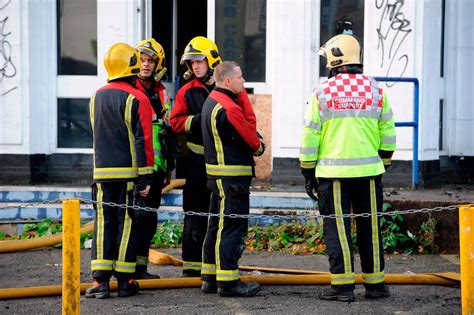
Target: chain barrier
[250, 215]
[281, 216]
[27, 205]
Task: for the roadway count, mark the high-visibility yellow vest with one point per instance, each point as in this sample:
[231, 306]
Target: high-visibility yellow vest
[348, 119]
[158, 124]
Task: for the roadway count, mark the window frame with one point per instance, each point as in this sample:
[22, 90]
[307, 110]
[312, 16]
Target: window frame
[258, 87]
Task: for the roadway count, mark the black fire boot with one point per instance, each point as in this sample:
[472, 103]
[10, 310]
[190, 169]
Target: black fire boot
[99, 290]
[144, 274]
[209, 287]
[333, 294]
[377, 293]
[241, 289]
[127, 288]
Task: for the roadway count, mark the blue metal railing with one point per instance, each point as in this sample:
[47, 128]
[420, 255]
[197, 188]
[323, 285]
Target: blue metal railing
[414, 178]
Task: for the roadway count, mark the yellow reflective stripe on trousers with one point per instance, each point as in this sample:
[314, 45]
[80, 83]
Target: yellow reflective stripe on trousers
[127, 228]
[341, 230]
[221, 222]
[208, 269]
[228, 170]
[342, 278]
[227, 275]
[128, 123]
[102, 264]
[194, 265]
[217, 138]
[99, 241]
[374, 227]
[196, 148]
[373, 278]
[126, 267]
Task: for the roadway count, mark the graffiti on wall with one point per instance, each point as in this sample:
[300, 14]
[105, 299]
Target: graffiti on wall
[7, 67]
[393, 29]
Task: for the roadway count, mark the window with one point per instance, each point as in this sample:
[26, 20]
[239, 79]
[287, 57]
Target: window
[333, 14]
[77, 37]
[241, 35]
[73, 123]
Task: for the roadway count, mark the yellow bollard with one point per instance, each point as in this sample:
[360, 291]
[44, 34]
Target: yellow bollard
[466, 238]
[71, 257]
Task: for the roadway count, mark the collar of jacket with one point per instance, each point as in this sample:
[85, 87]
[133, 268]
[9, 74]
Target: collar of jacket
[227, 92]
[345, 69]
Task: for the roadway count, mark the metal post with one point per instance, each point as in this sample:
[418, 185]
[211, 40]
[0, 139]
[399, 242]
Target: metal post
[71, 288]
[466, 250]
[415, 181]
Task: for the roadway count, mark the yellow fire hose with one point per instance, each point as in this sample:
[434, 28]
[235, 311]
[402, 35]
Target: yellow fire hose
[34, 243]
[448, 279]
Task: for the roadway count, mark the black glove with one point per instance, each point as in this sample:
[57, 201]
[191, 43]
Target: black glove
[311, 183]
[262, 143]
[139, 201]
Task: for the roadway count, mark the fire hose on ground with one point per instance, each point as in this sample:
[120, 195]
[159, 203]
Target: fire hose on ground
[449, 279]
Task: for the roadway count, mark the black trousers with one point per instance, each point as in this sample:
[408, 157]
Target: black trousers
[146, 225]
[362, 195]
[114, 243]
[196, 198]
[226, 237]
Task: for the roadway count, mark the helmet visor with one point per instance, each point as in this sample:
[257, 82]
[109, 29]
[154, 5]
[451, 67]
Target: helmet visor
[147, 51]
[192, 57]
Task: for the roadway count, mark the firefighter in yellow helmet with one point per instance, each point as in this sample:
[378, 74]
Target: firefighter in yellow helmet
[201, 56]
[347, 174]
[118, 112]
[148, 81]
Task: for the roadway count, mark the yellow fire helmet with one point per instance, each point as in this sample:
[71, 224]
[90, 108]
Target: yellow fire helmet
[199, 48]
[153, 49]
[341, 50]
[121, 61]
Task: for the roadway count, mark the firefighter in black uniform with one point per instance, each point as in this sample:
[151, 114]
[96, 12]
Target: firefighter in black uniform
[201, 57]
[230, 142]
[120, 117]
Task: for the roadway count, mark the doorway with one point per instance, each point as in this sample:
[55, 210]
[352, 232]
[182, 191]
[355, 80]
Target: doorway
[174, 24]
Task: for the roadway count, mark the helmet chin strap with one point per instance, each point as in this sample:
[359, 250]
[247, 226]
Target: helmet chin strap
[208, 76]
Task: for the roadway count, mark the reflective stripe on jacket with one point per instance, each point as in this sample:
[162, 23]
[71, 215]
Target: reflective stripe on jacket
[347, 121]
[120, 117]
[230, 138]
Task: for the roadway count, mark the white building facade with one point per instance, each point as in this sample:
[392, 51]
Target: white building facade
[52, 60]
